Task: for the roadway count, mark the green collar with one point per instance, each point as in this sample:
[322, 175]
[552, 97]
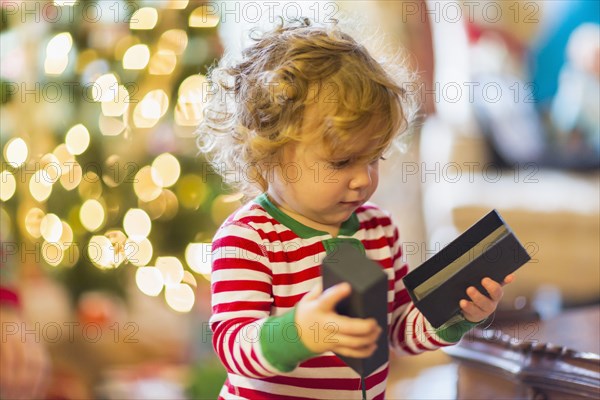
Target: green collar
[348, 227]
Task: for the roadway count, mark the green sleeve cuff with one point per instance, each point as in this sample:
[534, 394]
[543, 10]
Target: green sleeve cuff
[453, 333]
[281, 344]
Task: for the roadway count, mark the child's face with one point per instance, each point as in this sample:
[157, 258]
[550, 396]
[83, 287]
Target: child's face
[322, 192]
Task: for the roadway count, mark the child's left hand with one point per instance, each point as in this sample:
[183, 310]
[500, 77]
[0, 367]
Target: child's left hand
[482, 306]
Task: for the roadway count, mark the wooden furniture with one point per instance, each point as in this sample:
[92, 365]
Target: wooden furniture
[553, 359]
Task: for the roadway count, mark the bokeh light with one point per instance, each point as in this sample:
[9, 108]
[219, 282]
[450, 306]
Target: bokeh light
[51, 228]
[64, 157]
[40, 186]
[191, 191]
[51, 167]
[118, 240]
[200, 18]
[77, 139]
[175, 4]
[136, 57]
[189, 279]
[171, 269]
[138, 253]
[147, 184]
[152, 107]
[90, 186]
[8, 185]
[66, 238]
[60, 44]
[33, 220]
[144, 18]
[137, 224]
[163, 62]
[72, 175]
[149, 280]
[56, 65]
[173, 40]
[110, 126]
[118, 105]
[171, 206]
[198, 257]
[105, 88]
[101, 252]
[57, 53]
[52, 253]
[192, 95]
[92, 215]
[180, 297]
[16, 152]
[165, 170]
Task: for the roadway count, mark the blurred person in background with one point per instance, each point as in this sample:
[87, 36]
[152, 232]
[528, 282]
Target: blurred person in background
[545, 62]
[24, 361]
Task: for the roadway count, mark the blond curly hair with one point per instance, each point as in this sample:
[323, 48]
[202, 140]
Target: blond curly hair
[256, 106]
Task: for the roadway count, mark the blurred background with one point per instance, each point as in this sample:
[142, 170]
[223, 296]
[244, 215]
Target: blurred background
[108, 210]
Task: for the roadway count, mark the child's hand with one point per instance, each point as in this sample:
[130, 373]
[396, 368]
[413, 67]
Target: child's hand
[322, 329]
[482, 306]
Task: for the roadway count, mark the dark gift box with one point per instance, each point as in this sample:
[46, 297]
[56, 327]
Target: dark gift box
[487, 249]
[368, 298]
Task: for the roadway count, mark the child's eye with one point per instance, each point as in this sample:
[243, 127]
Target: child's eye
[340, 164]
[382, 158]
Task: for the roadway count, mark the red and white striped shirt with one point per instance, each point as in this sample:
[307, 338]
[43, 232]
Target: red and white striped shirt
[263, 263]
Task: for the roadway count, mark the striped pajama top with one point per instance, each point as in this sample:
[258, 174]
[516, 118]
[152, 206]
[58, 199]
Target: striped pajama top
[263, 263]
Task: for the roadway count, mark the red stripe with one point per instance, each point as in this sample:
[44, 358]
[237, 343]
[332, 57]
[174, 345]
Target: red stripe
[292, 253]
[255, 358]
[284, 236]
[396, 234]
[287, 301]
[258, 219]
[323, 362]
[375, 379]
[230, 286]
[376, 244]
[428, 336]
[330, 383]
[400, 272]
[248, 364]
[259, 395]
[317, 383]
[297, 277]
[414, 334]
[218, 339]
[220, 333]
[242, 306]
[402, 297]
[375, 222]
[435, 342]
[231, 344]
[225, 263]
[402, 332]
[232, 245]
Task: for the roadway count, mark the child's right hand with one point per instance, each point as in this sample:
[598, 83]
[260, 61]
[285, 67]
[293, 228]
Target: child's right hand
[321, 329]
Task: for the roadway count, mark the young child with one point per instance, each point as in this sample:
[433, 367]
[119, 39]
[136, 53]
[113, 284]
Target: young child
[304, 119]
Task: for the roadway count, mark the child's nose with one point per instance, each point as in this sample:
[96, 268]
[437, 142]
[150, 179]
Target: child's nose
[362, 176]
